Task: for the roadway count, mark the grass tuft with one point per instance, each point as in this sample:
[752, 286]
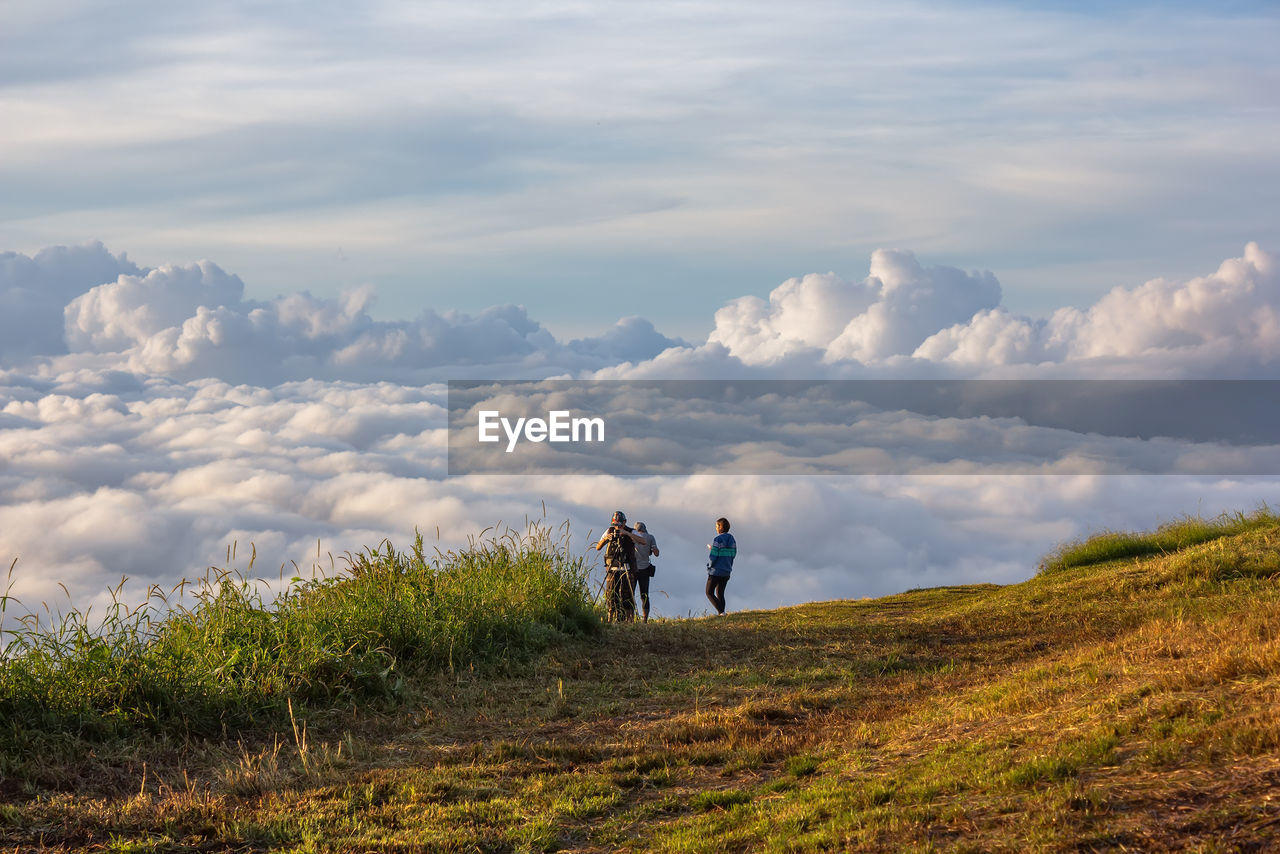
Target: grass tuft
[1168, 538]
[719, 799]
[233, 660]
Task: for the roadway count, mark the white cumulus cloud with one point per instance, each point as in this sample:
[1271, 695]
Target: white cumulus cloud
[85, 307]
[887, 314]
[35, 290]
[1227, 320]
[149, 418]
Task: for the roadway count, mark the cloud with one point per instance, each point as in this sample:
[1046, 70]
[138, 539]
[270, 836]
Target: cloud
[888, 314]
[632, 339]
[193, 321]
[157, 482]
[118, 315]
[667, 427]
[34, 291]
[161, 481]
[904, 319]
[1228, 319]
[173, 417]
[267, 139]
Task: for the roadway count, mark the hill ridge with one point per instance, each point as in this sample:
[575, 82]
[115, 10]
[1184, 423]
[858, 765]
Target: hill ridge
[1121, 704]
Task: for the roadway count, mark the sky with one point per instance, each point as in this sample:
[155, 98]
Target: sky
[592, 159]
[243, 247]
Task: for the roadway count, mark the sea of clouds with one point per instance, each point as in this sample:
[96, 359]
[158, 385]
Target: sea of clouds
[151, 419]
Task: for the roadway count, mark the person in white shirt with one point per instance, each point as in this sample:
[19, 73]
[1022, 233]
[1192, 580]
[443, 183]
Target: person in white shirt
[644, 566]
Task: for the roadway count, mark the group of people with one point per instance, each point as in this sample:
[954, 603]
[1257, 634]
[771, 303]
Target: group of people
[629, 566]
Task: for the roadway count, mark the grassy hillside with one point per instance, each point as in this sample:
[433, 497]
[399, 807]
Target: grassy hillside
[1111, 702]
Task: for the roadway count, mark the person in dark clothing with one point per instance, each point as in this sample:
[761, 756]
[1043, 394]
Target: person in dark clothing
[723, 549]
[619, 544]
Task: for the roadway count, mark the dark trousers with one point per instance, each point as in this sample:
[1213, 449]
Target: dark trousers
[641, 578]
[715, 591]
[618, 599]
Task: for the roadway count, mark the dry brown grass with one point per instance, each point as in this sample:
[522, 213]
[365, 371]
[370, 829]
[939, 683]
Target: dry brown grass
[1131, 706]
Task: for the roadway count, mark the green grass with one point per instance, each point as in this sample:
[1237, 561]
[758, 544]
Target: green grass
[233, 660]
[1168, 538]
[1132, 703]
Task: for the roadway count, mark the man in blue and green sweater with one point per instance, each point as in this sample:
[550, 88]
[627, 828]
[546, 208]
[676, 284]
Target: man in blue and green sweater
[720, 563]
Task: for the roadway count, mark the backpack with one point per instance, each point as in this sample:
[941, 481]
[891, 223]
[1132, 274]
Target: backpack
[615, 549]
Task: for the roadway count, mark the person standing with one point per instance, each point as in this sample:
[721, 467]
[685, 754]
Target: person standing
[723, 549]
[644, 566]
[619, 544]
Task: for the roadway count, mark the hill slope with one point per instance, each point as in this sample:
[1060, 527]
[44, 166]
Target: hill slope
[1122, 705]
